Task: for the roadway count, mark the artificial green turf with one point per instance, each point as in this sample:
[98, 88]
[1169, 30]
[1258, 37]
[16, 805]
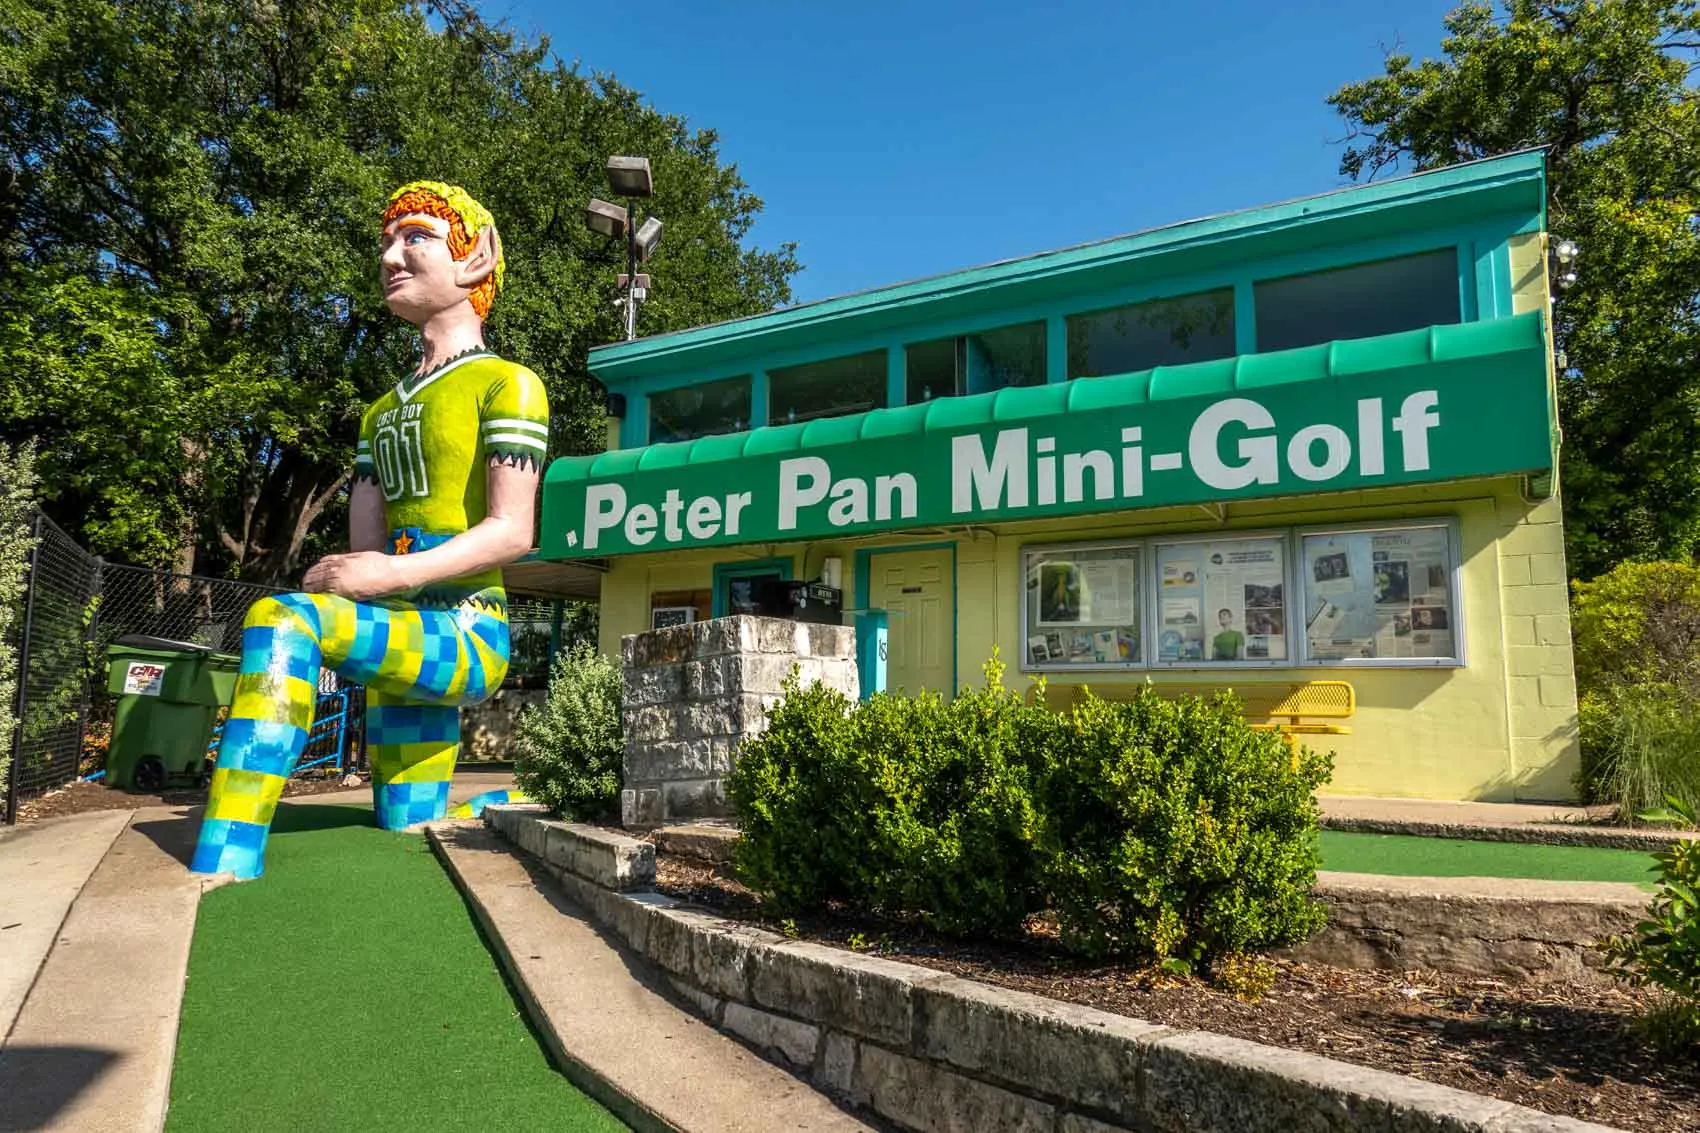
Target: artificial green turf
[1408, 856]
[348, 988]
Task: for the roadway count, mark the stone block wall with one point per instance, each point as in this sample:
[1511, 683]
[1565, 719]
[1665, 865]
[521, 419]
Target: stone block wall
[694, 693]
[487, 728]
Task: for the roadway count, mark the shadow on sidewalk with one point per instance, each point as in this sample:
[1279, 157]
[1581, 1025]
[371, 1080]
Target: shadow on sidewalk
[37, 1083]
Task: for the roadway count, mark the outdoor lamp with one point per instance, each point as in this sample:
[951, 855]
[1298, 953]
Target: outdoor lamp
[607, 219]
[1566, 251]
[629, 177]
[648, 236]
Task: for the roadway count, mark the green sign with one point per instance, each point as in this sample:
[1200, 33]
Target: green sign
[1477, 415]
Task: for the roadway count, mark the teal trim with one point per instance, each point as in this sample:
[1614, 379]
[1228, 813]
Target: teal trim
[745, 568]
[1469, 308]
[1493, 278]
[1056, 349]
[896, 374]
[760, 396]
[1333, 227]
[634, 426]
[1245, 317]
[864, 565]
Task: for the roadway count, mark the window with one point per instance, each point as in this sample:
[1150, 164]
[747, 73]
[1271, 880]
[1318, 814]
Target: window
[934, 369]
[1222, 601]
[1009, 356]
[1166, 332]
[1082, 607]
[1385, 594]
[827, 389]
[699, 411]
[1358, 302]
[737, 585]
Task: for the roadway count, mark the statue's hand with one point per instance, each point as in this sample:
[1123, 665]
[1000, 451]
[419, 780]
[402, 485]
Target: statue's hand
[361, 575]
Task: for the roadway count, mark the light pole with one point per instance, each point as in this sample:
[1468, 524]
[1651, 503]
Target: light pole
[629, 177]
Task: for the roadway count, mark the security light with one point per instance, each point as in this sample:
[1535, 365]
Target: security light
[1567, 251]
[629, 177]
[609, 220]
[648, 236]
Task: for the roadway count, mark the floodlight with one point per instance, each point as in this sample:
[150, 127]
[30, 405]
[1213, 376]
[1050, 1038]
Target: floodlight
[1566, 251]
[629, 177]
[609, 220]
[648, 236]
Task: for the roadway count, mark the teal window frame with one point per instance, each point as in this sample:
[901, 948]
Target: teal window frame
[747, 568]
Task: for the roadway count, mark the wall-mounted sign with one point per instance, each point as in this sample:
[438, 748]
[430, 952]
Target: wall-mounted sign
[1474, 413]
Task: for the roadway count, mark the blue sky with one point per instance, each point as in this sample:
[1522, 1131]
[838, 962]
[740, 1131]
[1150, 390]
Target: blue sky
[893, 140]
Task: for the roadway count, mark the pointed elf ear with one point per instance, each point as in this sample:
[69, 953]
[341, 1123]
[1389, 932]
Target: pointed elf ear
[481, 261]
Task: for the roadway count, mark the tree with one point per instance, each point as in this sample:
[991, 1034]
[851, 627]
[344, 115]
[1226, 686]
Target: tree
[189, 192]
[1606, 87]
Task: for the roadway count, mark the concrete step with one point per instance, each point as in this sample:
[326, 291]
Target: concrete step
[605, 1016]
[92, 1045]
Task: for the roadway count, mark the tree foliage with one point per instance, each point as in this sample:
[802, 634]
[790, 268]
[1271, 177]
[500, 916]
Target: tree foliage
[189, 192]
[1606, 87]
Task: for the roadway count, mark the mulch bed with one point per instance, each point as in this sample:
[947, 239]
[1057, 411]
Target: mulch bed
[80, 797]
[1560, 1048]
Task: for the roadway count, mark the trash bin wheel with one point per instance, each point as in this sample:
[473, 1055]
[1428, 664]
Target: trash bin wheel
[150, 774]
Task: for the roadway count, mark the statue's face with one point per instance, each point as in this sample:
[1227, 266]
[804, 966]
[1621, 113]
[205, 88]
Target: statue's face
[419, 275]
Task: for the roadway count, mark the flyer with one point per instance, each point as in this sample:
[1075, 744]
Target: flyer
[1380, 594]
[1224, 601]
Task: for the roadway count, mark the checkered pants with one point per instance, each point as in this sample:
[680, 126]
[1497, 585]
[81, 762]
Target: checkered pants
[418, 665]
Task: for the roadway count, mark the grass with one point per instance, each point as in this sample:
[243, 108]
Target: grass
[349, 988]
[1409, 856]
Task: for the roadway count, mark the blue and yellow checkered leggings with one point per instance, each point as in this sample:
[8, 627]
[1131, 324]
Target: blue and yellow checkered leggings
[418, 665]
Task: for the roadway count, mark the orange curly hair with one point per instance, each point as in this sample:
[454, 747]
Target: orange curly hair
[417, 200]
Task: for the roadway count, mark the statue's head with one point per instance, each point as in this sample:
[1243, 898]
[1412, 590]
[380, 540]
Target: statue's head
[440, 248]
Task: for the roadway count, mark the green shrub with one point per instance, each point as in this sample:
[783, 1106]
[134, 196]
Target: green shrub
[908, 805]
[1637, 639]
[1664, 950]
[569, 749]
[1151, 828]
[1180, 832]
[17, 509]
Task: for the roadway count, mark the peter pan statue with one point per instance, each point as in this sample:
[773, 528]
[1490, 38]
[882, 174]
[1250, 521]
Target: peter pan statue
[444, 490]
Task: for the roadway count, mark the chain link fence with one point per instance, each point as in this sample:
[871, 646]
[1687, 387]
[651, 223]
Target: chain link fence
[54, 654]
[78, 605]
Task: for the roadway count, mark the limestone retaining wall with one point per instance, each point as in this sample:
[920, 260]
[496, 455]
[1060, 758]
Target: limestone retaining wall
[938, 1054]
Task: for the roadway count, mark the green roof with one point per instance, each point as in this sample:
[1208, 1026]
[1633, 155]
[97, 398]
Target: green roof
[1457, 196]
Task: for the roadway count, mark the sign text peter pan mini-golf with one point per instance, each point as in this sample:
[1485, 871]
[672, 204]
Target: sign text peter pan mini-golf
[1111, 444]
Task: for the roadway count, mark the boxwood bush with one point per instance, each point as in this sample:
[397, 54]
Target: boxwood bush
[1151, 828]
[569, 750]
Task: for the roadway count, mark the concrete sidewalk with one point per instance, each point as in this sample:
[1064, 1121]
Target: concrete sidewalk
[592, 1000]
[92, 1046]
[97, 912]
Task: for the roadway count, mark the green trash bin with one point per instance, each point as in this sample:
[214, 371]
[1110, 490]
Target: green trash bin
[169, 694]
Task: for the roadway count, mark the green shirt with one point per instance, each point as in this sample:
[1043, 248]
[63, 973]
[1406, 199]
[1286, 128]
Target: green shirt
[1225, 646]
[428, 443]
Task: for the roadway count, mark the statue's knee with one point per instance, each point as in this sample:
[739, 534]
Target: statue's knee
[280, 611]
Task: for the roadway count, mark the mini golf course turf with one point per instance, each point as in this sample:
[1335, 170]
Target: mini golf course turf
[1409, 856]
[349, 988]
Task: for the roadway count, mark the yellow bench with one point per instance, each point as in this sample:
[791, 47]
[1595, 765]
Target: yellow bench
[1290, 707]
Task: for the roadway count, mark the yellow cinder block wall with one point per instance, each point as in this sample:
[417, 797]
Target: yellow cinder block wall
[1503, 727]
